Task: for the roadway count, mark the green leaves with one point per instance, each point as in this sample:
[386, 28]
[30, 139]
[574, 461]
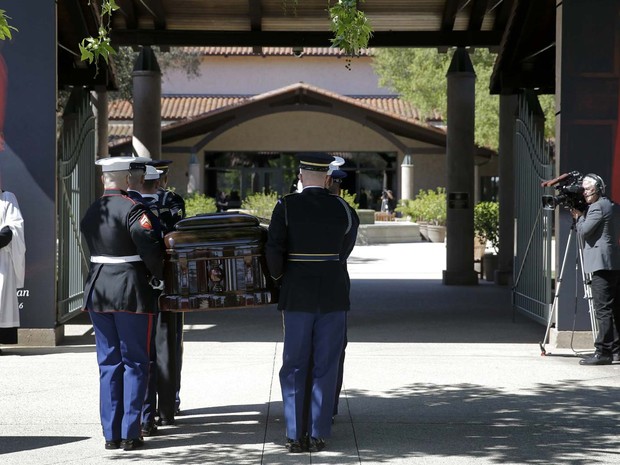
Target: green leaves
[93, 48]
[351, 28]
[486, 223]
[5, 28]
[197, 203]
[429, 206]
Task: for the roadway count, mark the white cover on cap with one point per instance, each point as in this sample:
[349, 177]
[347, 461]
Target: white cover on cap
[334, 165]
[152, 173]
[118, 163]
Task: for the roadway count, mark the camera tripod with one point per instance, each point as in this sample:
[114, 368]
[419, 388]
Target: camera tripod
[586, 280]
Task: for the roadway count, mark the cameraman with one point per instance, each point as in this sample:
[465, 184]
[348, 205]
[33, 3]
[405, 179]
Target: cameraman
[601, 256]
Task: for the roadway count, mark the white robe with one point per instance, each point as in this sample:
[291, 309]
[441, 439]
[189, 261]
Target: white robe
[12, 261]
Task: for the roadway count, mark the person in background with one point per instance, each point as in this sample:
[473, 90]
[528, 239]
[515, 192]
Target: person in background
[169, 338]
[148, 196]
[311, 234]
[363, 200]
[126, 260]
[12, 265]
[221, 202]
[334, 184]
[597, 229]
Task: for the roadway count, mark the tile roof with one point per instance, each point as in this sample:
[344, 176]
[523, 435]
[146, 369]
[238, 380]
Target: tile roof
[180, 110]
[174, 108]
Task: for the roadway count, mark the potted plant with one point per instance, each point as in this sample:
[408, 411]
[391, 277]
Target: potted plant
[486, 230]
[436, 214]
[413, 210]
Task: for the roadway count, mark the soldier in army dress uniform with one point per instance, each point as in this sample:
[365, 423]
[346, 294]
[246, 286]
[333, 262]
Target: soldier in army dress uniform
[126, 258]
[311, 235]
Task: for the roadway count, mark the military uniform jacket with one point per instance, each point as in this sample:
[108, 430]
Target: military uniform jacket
[117, 226]
[311, 235]
[171, 209]
[599, 229]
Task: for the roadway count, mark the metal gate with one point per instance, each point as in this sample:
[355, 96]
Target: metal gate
[76, 191]
[533, 225]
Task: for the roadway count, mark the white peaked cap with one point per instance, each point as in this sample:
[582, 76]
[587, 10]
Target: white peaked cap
[334, 165]
[120, 163]
[152, 173]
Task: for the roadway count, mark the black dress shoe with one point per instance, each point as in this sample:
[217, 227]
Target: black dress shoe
[111, 445]
[131, 444]
[165, 422]
[294, 446]
[596, 359]
[149, 429]
[316, 444]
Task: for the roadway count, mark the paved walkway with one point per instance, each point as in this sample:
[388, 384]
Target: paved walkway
[434, 375]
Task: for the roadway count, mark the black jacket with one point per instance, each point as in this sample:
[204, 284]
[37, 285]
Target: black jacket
[311, 235]
[117, 226]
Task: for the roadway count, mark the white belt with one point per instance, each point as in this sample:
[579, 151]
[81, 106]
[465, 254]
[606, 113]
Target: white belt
[107, 259]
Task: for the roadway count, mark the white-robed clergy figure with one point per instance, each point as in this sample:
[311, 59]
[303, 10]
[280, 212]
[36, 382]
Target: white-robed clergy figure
[12, 265]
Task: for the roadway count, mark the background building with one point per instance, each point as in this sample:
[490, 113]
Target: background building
[238, 124]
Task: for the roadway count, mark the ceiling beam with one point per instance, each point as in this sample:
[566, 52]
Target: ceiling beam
[450, 9]
[478, 10]
[84, 77]
[128, 11]
[503, 10]
[256, 20]
[306, 39]
[256, 15]
[156, 9]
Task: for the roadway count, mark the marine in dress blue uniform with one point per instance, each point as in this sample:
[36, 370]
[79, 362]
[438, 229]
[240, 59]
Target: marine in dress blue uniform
[169, 338]
[126, 255]
[311, 234]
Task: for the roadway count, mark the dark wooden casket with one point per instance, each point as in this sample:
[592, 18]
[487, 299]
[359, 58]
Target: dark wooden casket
[216, 261]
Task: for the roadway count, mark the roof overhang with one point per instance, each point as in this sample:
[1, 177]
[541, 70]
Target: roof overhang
[526, 57]
[522, 30]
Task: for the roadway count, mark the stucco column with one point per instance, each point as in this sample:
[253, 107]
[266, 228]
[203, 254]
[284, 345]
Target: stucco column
[146, 76]
[195, 172]
[406, 176]
[460, 171]
[507, 123]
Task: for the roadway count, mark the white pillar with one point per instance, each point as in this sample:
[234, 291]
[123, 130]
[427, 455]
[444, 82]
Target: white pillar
[406, 176]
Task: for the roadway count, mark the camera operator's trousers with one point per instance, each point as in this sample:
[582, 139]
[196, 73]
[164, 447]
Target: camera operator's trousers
[606, 297]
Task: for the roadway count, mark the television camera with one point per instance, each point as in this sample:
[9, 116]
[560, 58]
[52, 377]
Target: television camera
[569, 192]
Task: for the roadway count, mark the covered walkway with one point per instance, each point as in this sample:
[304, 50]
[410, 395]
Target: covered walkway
[434, 375]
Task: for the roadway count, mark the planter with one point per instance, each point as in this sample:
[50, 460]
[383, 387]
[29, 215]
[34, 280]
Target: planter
[436, 233]
[423, 230]
[489, 265]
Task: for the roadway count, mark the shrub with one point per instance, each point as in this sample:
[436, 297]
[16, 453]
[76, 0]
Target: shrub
[260, 205]
[428, 206]
[486, 223]
[196, 204]
[349, 198]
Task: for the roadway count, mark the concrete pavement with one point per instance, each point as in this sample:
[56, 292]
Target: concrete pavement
[433, 375]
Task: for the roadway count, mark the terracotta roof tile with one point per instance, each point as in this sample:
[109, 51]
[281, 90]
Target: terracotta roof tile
[174, 108]
[177, 110]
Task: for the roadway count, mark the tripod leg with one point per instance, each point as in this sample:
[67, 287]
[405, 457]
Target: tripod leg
[556, 295]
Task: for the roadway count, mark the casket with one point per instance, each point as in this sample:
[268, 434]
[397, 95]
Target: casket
[216, 261]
